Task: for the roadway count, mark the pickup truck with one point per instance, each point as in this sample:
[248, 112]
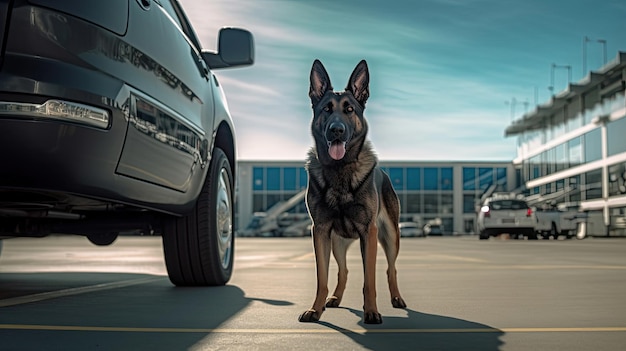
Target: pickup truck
[554, 222]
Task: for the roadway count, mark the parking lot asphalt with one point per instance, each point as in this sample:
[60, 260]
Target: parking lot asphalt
[62, 293]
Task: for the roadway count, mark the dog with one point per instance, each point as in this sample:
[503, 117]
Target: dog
[348, 196]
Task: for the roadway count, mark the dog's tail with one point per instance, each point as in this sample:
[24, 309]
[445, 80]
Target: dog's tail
[389, 214]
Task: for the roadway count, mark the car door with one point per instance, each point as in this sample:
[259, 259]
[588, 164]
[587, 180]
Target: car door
[171, 110]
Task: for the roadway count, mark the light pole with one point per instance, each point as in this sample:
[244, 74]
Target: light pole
[513, 102]
[553, 68]
[586, 40]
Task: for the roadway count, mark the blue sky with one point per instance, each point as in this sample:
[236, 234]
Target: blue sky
[443, 72]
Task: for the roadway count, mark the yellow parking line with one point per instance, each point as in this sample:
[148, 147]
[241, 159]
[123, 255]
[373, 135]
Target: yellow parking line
[564, 330]
[307, 331]
[456, 258]
[305, 257]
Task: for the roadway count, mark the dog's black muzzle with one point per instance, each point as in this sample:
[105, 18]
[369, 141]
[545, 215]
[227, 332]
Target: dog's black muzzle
[336, 131]
[337, 136]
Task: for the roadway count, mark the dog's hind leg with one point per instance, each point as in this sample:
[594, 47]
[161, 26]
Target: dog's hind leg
[389, 239]
[340, 249]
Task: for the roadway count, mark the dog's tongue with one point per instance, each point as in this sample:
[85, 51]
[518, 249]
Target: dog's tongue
[337, 150]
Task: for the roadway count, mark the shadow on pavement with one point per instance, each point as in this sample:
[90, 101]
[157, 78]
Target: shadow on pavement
[422, 331]
[154, 315]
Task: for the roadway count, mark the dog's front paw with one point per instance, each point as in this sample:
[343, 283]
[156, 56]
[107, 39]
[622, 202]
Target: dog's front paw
[398, 302]
[333, 301]
[309, 316]
[372, 318]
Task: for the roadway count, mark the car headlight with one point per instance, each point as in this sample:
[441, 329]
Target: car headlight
[59, 110]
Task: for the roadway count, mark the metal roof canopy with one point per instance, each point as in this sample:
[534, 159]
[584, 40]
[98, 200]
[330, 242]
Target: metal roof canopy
[536, 119]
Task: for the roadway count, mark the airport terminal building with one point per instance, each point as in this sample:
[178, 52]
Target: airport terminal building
[446, 192]
[572, 149]
[571, 152]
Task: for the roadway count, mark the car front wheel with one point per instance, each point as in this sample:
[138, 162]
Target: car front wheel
[199, 247]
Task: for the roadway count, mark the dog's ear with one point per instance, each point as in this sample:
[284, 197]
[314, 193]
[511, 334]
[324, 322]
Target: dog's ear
[320, 82]
[359, 83]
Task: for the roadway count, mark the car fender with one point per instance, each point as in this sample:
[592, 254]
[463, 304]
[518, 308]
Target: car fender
[224, 129]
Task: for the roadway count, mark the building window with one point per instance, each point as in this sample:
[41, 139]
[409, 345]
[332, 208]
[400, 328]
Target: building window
[574, 182]
[271, 200]
[257, 178]
[575, 151]
[469, 203]
[561, 158]
[431, 203]
[535, 167]
[617, 179]
[446, 204]
[593, 145]
[304, 178]
[469, 178]
[501, 178]
[289, 178]
[446, 178]
[593, 184]
[397, 178]
[258, 203]
[431, 178]
[413, 203]
[413, 179]
[550, 159]
[273, 178]
[616, 131]
[485, 178]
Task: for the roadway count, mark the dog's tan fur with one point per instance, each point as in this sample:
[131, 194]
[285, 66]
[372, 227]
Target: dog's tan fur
[348, 196]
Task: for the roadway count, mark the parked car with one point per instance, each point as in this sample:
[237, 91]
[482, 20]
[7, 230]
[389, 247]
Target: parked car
[506, 213]
[433, 229]
[111, 120]
[410, 229]
[556, 221]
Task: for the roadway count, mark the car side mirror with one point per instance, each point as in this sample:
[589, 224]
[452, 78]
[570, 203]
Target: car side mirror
[235, 48]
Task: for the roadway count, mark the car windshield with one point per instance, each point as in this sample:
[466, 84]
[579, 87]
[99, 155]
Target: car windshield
[508, 205]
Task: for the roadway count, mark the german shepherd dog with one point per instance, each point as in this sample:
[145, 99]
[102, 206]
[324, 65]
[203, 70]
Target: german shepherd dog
[348, 196]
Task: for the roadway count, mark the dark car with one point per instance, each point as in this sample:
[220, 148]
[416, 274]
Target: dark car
[111, 121]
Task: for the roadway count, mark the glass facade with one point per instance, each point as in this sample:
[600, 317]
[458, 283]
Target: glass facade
[575, 146]
[425, 193]
[271, 185]
[572, 153]
[616, 136]
[476, 180]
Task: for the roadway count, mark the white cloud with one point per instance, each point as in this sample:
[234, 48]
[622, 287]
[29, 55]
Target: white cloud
[440, 75]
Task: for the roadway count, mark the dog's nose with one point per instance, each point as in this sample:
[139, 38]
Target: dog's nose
[337, 129]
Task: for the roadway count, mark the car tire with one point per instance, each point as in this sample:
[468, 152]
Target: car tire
[483, 235]
[554, 232]
[199, 247]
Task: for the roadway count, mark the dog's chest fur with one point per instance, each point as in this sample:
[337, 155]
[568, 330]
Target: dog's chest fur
[339, 194]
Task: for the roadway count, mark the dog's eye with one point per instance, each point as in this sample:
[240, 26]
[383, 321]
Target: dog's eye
[326, 108]
[349, 109]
